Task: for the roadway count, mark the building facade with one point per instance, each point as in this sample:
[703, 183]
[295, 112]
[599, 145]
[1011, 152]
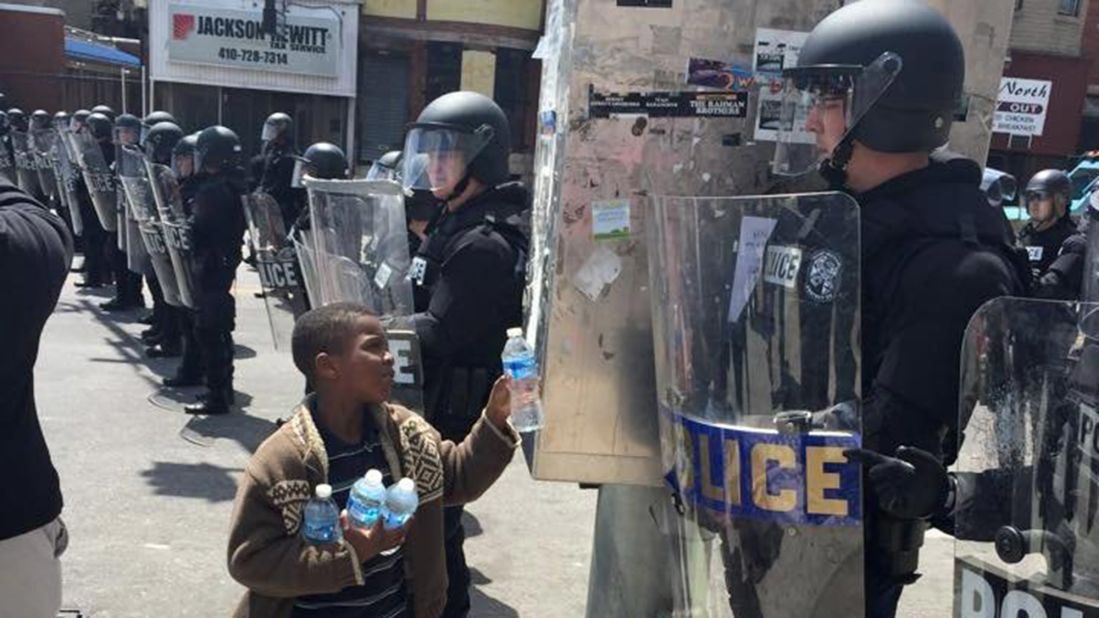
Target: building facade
[1049, 55]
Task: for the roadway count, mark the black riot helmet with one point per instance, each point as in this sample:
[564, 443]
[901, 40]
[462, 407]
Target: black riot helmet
[217, 148]
[105, 110]
[898, 68]
[1053, 185]
[459, 136]
[40, 119]
[79, 120]
[154, 118]
[183, 156]
[160, 141]
[321, 160]
[17, 119]
[127, 130]
[387, 167]
[61, 120]
[278, 125]
[100, 126]
[5, 125]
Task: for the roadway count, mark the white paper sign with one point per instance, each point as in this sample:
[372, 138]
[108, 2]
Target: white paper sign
[776, 50]
[1021, 106]
[754, 233]
[595, 277]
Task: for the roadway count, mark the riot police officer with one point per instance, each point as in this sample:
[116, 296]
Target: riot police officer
[472, 270]
[1048, 195]
[105, 110]
[127, 131]
[387, 167]
[164, 338]
[96, 273]
[154, 118]
[320, 160]
[279, 157]
[879, 82]
[218, 231]
[191, 371]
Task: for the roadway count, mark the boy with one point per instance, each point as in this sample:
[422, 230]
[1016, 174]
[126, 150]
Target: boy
[334, 436]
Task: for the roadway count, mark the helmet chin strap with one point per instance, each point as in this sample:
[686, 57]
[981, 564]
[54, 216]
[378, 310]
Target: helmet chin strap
[459, 188]
[834, 168]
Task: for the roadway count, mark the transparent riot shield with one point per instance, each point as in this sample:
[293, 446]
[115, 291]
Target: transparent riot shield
[307, 260]
[755, 316]
[136, 200]
[7, 161]
[1027, 472]
[276, 261]
[43, 143]
[25, 163]
[175, 228]
[361, 254]
[98, 178]
[68, 174]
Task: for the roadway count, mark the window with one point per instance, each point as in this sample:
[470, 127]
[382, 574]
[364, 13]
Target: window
[516, 91]
[1068, 7]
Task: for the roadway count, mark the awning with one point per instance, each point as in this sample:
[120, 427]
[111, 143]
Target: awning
[95, 52]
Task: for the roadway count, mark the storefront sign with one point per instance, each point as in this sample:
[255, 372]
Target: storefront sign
[1021, 106]
[669, 104]
[308, 45]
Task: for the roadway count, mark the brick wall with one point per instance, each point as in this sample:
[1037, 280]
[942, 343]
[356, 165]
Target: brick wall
[1039, 28]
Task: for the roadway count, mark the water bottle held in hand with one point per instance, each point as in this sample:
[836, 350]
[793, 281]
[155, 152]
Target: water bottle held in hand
[322, 518]
[400, 503]
[520, 364]
[367, 500]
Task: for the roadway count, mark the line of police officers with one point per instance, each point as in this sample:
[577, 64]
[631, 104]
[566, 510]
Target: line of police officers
[465, 232]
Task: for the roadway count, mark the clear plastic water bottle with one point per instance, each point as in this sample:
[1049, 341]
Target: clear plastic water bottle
[322, 518]
[400, 503]
[364, 506]
[520, 364]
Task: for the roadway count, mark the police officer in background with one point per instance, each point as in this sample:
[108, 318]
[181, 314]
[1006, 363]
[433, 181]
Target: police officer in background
[279, 159]
[932, 249]
[471, 269]
[420, 205]
[164, 337]
[1047, 195]
[218, 231]
[96, 273]
[191, 371]
[105, 110]
[127, 131]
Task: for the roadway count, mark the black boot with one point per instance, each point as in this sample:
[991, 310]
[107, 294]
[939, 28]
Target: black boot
[163, 350]
[215, 404]
[115, 304]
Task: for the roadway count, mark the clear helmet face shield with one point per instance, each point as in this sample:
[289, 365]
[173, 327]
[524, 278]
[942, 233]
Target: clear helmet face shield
[819, 106]
[127, 136]
[270, 131]
[183, 165]
[381, 172]
[436, 158]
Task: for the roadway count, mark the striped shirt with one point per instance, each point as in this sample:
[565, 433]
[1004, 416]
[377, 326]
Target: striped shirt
[384, 593]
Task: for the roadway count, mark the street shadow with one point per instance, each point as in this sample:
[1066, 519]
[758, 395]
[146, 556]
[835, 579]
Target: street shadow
[247, 431]
[203, 481]
[484, 606]
[471, 525]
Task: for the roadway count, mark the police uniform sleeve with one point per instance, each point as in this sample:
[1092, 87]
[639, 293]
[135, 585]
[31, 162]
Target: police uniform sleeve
[471, 282]
[912, 400]
[1065, 276]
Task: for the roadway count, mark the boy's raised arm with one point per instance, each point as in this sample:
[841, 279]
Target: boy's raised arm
[471, 467]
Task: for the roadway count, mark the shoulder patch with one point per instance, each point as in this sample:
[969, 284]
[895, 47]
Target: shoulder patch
[823, 276]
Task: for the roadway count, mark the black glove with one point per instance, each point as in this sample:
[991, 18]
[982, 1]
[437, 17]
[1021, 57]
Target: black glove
[912, 485]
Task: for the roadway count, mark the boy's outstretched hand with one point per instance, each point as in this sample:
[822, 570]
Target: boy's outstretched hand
[498, 409]
[370, 543]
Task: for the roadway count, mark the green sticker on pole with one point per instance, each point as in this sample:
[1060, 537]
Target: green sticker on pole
[610, 219]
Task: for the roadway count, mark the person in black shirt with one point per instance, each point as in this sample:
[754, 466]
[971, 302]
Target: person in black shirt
[1047, 198]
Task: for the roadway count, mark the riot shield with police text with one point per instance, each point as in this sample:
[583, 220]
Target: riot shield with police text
[68, 177]
[361, 254]
[7, 161]
[98, 178]
[26, 166]
[1026, 514]
[276, 261]
[755, 314]
[43, 143]
[137, 204]
[175, 228]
